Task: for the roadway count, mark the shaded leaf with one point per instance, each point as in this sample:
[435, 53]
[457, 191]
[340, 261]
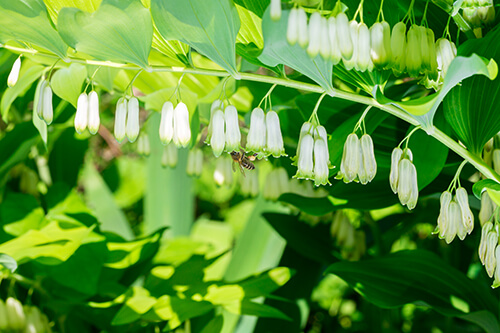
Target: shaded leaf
[67, 82]
[8, 262]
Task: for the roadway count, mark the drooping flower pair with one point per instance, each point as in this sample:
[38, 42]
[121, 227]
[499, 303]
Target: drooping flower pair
[455, 216]
[403, 177]
[264, 136]
[313, 157]
[358, 160]
[170, 156]
[127, 119]
[224, 129]
[489, 251]
[174, 124]
[87, 113]
[351, 241]
[195, 162]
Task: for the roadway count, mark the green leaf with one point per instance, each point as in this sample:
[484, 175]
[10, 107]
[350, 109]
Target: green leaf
[277, 51]
[312, 206]
[256, 6]
[424, 108]
[489, 185]
[261, 310]
[120, 30]
[416, 276]
[214, 325]
[8, 262]
[28, 21]
[19, 213]
[139, 303]
[484, 319]
[125, 254]
[473, 108]
[29, 73]
[67, 82]
[100, 198]
[210, 27]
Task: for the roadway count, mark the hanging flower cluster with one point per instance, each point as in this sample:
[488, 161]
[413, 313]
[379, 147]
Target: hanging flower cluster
[489, 251]
[313, 158]
[277, 183]
[478, 13]
[455, 217]
[16, 317]
[264, 136]
[224, 129]
[174, 125]
[358, 160]
[337, 39]
[195, 162]
[403, 177]
[87, 113]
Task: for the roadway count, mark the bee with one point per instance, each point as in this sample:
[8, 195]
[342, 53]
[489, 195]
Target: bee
[243, 161]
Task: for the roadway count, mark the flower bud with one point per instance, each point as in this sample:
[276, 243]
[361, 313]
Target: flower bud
[38, 101]
[443, 218]
[143, 147]
[182, 129]
[314, 34]
[47, 110]
[320, 162]
[292, 32]
[397, 153]
[233, 134]
[132, 128]
[487, 208]
[325, 47]
[404, 181]
[273, 135]
[335, 55]
[368, 152]
[414, 52]
[398, 48]
[491, 245]
[94, 120]
[256, 139]
[120, 119]
[275, 10]
[81, 116]
[354, 33]
[302, 30]
[14, 73]
[305, 158]
[496, 282]
[350, 160]
[467, 216]
[363, 59]
[344, 36]
[170, 156]
[487, 227]
[167, 123]
[15, 313]
[455, 217]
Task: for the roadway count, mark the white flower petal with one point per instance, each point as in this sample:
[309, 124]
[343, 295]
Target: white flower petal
[120, 119]
[132, 128]
[182, 129]
[167, 123]
[273, 135]
[233, 134]
[93, 121]
[82, 110]
[218, 139]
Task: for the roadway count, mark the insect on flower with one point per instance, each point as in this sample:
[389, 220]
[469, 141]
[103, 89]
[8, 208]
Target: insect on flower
[243, 161]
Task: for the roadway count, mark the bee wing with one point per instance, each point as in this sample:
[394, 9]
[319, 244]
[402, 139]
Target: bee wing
[232, 165]
[242, 170]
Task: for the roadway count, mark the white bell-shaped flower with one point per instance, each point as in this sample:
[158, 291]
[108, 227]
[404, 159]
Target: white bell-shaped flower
[94, 120]
[335, 54]
[455, 216]
[467, 216]
[167, 123]
[182, 129]
[120, 119]
[350, 159]
[491, 245]
[223, 173]
[354, 33]
[344, 38]
[275, 10]
[320, 162]
[398, 48]
[396, 155]
[314, 35]
[446, 51]
[233, 134]
[412, 201]
[320, 132]
[216, 105]
[38, 102]
[82, 110]
[305, 165]
[487, 208]
[407, 182]
[195, 162]
[487, 227]
[47, 109]
[256, 139]
[379, 50]
[363, 57]
[307, 128]
[368, 152]
[325, 47]
[170, 156]
[273, 135]
[132, 128]
[218, 139]
[143, 146]
[443, 218]
[14, 73]
[302, 28]
[292, 32]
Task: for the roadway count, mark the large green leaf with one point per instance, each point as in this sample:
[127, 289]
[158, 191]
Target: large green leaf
[28, 21]
[120, 30]
[416, 277]
[210, 27]
[277, 51]
[473, 108]
[67, 82]
[8, 262]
